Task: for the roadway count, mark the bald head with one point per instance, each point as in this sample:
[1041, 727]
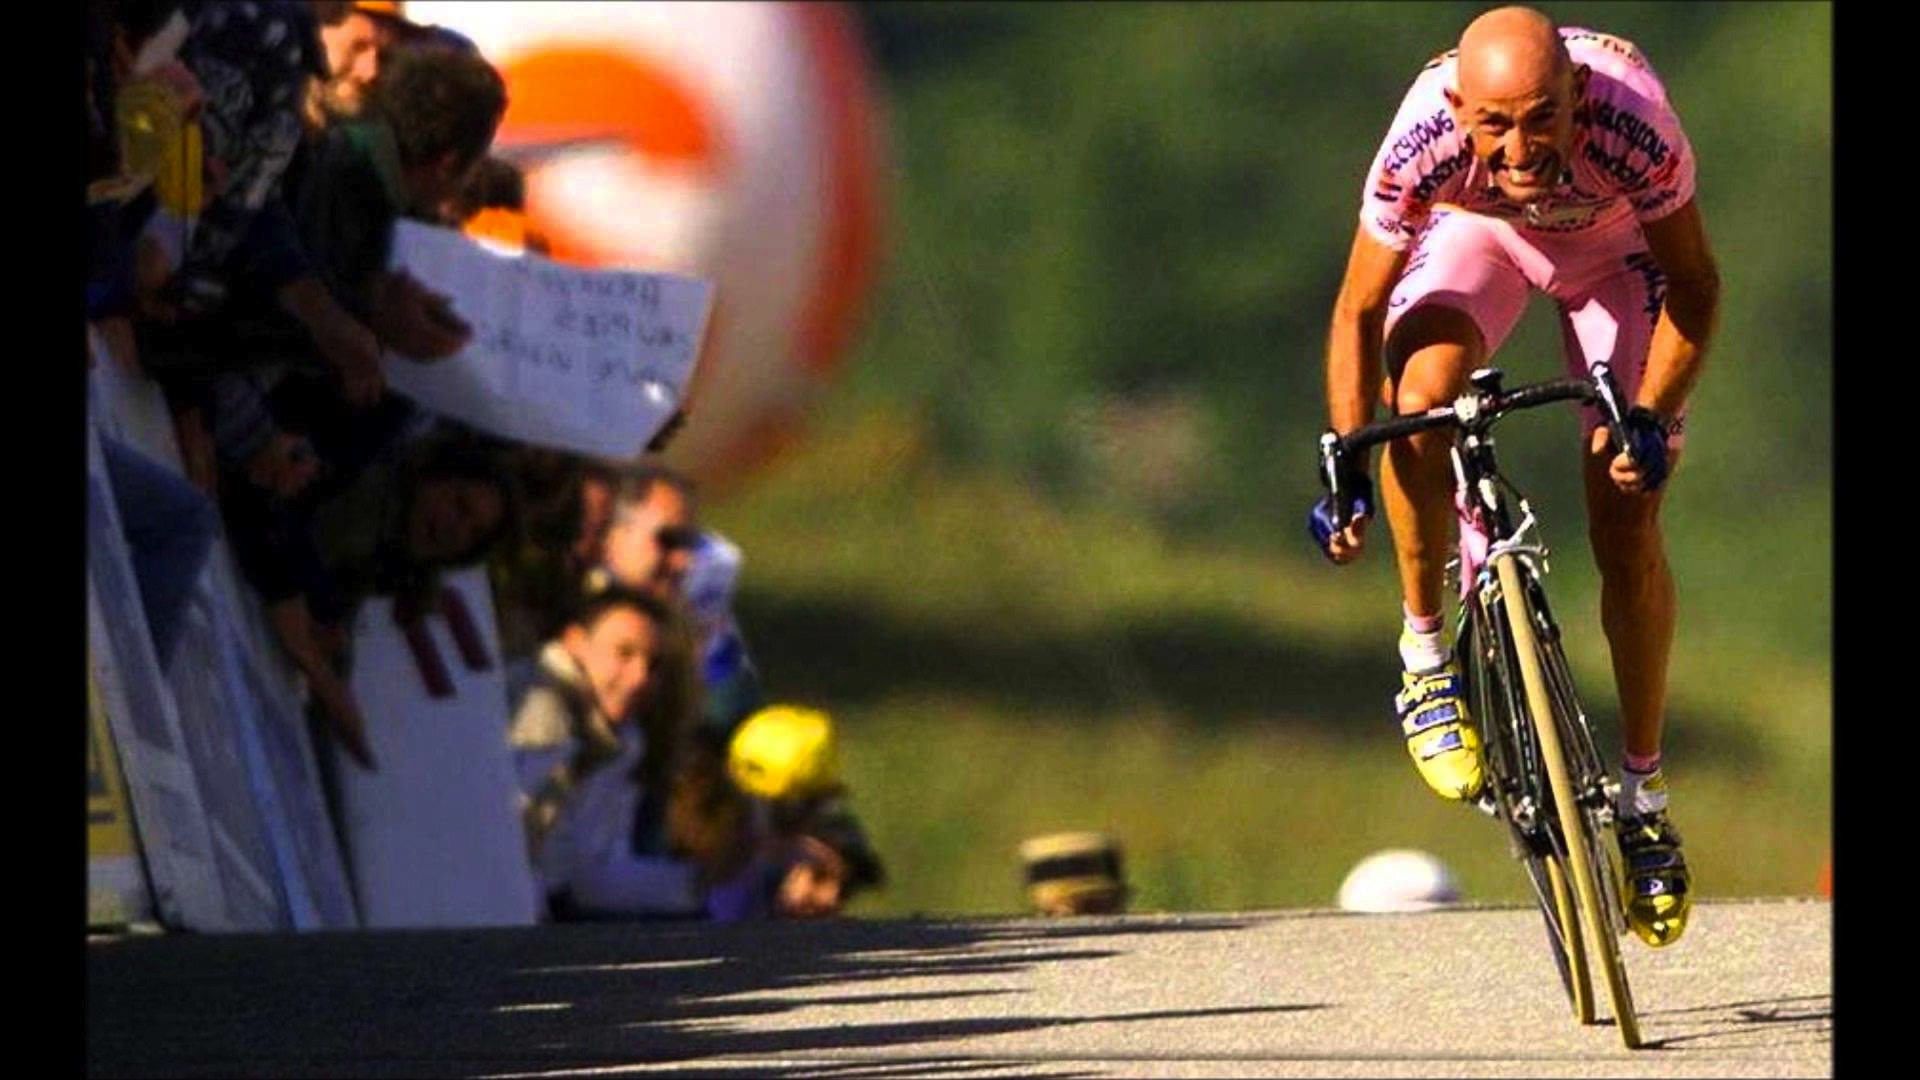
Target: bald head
[1510, 52]
[1517, 95]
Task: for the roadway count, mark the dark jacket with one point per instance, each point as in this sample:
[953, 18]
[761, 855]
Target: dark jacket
[349, 198]
[343, 538]
[336, 221]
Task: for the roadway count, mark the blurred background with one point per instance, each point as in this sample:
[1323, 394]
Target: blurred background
[1042, 549]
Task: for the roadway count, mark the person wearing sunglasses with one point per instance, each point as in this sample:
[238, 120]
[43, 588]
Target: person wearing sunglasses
[653, 542]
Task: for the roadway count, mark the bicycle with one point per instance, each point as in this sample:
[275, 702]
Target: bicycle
[1545, 778]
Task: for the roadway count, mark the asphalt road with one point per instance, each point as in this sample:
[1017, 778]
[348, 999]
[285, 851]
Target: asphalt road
[1748, 992]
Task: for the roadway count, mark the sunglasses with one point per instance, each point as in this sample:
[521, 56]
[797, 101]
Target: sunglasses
[674, 537]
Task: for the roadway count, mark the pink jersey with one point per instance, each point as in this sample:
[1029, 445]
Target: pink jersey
[1630, 161]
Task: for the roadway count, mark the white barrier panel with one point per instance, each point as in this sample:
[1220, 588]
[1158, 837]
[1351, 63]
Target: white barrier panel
[434, 836]
[284, 776]
[176, 840]
[221, 740]
[250, 753]
[249, 877]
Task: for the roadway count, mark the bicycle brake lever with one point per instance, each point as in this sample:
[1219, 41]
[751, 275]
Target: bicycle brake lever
[1608, 396]
[1330, 475]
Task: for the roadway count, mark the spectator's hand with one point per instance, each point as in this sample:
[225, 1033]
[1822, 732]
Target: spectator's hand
[419, 323]
[332, 639]
[116, 335]
[181, 83]
[667, 431]
[814, 884]
[197, 453]
[353, 353]
[342, 714]
[285, 466]
[152, 273]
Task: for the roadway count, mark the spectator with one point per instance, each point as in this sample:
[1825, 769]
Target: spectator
[215, 158]
[537, 585]
[355, 39]
[425, 128]
[1076, 873]
[832, 862]
[653, 543]
[495, 185]
[429, 123]
[599, 730]
[127, 77]
[253, 59]
[388, 526]
[811, 855]
[649, 539]
[358, 36]
[807, 848]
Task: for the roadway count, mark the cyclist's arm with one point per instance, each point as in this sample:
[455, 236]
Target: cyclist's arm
[1678, 242]
[1354, 369]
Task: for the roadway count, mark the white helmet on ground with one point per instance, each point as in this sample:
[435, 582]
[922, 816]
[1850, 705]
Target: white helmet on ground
[1398, 880]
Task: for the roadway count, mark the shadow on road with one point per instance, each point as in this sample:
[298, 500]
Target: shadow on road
[1806, 1020]
[539, 1001]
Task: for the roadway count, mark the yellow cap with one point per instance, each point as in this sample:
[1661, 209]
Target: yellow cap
[785, 752]
[392, 9]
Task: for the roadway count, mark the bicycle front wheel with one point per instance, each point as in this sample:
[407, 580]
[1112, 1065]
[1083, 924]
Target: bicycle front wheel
[1514, 782]
[1576, 825]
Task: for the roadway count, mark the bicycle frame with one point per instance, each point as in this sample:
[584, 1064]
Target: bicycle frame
[1482, 497]
[1548, 780]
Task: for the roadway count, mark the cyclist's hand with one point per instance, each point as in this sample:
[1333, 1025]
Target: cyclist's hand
[1343, 545]
[1646, 433]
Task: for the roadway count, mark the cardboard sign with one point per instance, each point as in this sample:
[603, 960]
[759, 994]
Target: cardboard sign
[590, 361]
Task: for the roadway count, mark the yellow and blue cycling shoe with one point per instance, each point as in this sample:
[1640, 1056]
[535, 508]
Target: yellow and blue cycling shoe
[1440, 735]
[1658, 887]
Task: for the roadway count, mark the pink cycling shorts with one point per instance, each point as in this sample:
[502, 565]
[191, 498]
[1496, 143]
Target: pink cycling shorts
[1608, 288]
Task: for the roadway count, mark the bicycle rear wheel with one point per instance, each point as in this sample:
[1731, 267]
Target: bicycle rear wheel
[1555, 726]
[1513, 780]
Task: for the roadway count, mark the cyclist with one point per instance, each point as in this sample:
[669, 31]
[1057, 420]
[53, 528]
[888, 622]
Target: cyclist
[1532, 156]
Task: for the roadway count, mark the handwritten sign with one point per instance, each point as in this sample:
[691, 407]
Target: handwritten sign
[592, 361]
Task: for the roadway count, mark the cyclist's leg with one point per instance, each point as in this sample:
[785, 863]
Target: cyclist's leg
[1457, 301]
[1638, 607]
[1613, 319]
[1437, 347]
